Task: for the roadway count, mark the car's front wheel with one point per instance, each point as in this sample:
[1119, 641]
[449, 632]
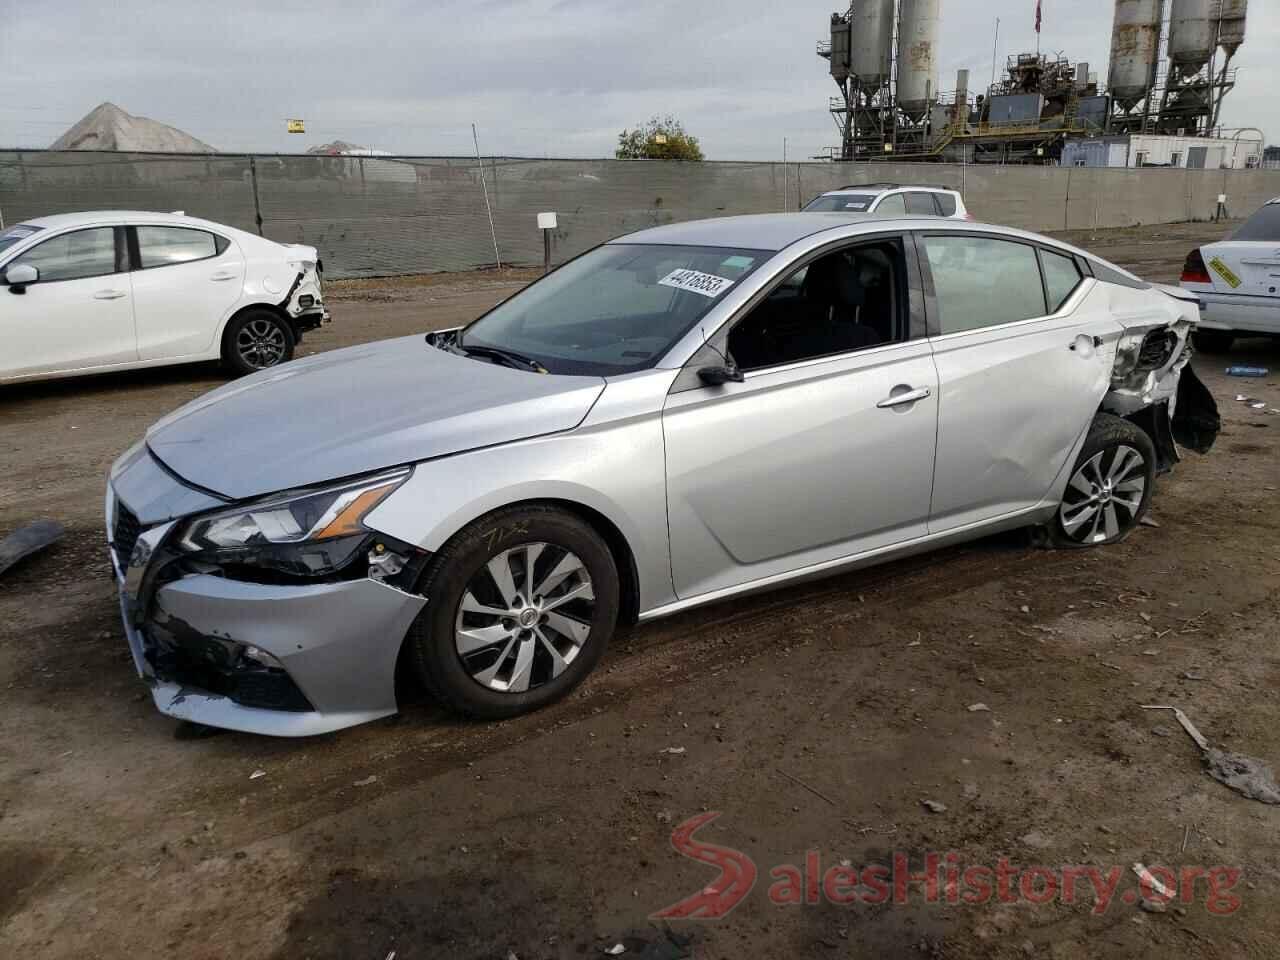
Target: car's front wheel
[1110, 486]
[520, 607]
[256, 340]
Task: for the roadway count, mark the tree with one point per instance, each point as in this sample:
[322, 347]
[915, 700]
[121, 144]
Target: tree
[660, 139]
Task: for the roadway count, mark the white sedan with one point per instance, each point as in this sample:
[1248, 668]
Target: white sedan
[116, 290]
[1238, 281]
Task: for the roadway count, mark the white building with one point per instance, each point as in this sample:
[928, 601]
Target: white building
[1142, 150]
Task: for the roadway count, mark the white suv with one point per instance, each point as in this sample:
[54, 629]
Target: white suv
[892, 199]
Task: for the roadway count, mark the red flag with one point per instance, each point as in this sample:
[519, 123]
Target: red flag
[1038, 16]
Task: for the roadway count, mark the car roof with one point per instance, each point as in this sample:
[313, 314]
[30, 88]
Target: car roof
[90, 217]
[775, 231]
[886, 187]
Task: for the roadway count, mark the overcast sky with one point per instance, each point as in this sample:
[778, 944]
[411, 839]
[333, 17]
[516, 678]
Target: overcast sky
[538, 77]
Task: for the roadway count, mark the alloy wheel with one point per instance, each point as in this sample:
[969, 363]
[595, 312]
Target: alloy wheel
[261, 343]
[1104, 495]
[524, 617]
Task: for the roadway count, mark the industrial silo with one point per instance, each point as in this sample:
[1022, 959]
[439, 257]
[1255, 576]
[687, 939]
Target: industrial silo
[871, 50]
[1232, 30]
[1193, 34]
[839, 48]
[917, 56]
[1135, 45]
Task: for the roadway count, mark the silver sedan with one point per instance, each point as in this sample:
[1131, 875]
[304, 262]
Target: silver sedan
[677, 417]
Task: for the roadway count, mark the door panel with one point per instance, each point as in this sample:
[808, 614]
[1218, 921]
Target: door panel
[180, 300]
[798, 466]
[1013, 402]
[78, 316]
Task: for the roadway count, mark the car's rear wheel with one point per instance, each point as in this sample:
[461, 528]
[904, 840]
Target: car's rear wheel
[257, 340]
[1214, 341]
[1110, 486]
[520, 607]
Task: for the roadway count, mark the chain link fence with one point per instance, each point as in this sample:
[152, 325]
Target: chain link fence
[385, 216]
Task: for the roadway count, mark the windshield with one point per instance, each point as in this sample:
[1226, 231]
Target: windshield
[843, 203]
[1263, 225]
[619, 308]
[16, 234]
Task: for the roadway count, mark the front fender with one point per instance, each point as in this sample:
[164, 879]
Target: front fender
[617, 470]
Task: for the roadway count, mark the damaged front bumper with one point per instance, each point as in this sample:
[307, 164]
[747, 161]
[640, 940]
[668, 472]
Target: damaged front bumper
[281, 660]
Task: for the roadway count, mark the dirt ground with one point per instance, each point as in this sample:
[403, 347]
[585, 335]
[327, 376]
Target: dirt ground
[814, 719]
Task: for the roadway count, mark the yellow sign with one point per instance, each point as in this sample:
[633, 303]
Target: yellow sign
[1225, 272]
[296, 126]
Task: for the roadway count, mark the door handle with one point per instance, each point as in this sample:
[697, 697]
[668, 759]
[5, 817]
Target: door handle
[108, 295]
[222, 276]
[902, 399]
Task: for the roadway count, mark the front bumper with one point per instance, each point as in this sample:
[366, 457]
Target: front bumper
[285, 661]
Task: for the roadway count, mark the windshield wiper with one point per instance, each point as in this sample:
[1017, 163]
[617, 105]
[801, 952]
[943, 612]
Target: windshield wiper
[506, 357]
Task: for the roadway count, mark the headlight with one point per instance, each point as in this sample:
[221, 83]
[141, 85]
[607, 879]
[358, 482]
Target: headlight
[304, 532]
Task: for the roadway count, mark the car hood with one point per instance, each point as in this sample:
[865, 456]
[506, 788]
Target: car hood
[356, 410]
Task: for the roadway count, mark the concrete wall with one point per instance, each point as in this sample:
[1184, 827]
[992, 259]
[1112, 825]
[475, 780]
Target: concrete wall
[372, 217]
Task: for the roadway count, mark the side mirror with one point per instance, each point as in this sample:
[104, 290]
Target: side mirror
[719, 376]
[19, 276]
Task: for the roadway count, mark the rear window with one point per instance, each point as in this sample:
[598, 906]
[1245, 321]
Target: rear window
[165, 246]
[16, 234]
[946, 203]
[1263, 225]
[842, 203]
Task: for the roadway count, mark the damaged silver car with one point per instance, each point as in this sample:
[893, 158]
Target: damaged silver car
[680, 416]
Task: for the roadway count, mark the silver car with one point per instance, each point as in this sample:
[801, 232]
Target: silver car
[677, 417]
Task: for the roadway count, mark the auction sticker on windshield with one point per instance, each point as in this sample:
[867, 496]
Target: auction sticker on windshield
[707, 284]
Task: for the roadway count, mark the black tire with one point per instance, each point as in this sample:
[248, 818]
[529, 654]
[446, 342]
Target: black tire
[461, 568]
[1094, 514]
[257, 339]
[1214, 341]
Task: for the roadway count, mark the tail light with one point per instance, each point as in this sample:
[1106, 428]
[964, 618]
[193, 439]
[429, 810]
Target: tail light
[1194, 270]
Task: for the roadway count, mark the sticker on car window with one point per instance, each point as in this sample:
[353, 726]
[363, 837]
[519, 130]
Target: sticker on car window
[738, 263]
[855, 206]
[707, 284]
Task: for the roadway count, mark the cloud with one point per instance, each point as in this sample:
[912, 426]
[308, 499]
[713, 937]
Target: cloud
[538, 77]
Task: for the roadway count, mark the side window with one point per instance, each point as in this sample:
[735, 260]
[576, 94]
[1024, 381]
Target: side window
[1061, 277]
[165, 246]
[848, 300]
[74, 256]
[981, 282]
[921, 205]
[946, 203]
[892, 205]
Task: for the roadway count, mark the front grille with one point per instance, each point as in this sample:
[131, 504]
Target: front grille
[125, 535]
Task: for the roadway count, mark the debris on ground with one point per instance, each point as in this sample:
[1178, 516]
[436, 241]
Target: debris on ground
[367, 781]
[28, 539]
[933, 806]
[1187, 725]
[256, 774]
[1150, 882]
[674, 751]
[1248, 777]
[978, 708]
[616, 950]
[1148, 522]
